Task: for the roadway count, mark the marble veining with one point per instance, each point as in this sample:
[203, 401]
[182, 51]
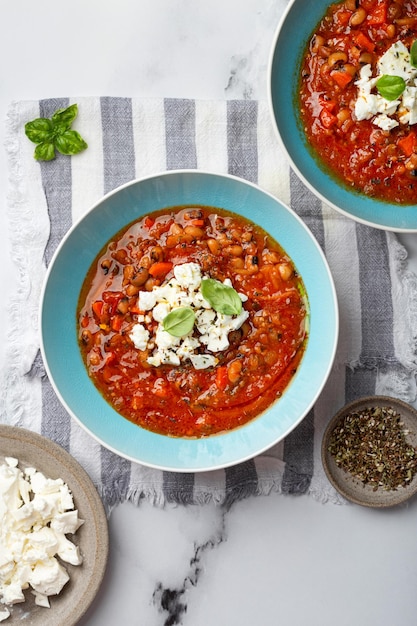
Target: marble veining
[172, 603]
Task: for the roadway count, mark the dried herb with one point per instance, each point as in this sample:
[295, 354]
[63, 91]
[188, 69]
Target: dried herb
[372, 446]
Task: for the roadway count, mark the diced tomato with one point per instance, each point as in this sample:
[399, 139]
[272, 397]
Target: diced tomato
[117, 322]
[327, 119]
[160, 388]
[160, 269]
[343, 17]
[112, 299]
[378, 15]
[97, 307]
[364, 42]
[368, 5]
[135, 309]
[149, 222]
[329, 105]
[408, 143]
[222, 378]
[85, 320]
[341, 77]
[197, 222]
[111, 358]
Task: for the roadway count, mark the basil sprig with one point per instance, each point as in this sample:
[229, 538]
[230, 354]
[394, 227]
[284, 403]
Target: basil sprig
[221, 297]
[413, 54]
[179, 322]
[390, 87]
[55, 134]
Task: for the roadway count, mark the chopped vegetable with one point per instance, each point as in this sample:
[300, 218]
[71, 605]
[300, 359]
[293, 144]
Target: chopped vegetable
[160, 269]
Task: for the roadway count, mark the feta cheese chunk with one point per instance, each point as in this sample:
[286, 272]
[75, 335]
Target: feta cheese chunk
[371, 105]
[48, 577]
[385, 122]
[188, 275]
[184, 290]
[35, 514]
[139, 336]
[396, 62]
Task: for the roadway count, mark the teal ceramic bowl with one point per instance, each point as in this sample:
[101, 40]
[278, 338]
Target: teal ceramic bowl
[67, 272]
[292, 35]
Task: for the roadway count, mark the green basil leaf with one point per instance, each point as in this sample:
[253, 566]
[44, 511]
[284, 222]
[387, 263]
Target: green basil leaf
[179, 322]
[221, 297]
[63, 118]
[70, 142]
[39, 130]
[390, 87]
[413, 54]
[45, 151]
[55, 133]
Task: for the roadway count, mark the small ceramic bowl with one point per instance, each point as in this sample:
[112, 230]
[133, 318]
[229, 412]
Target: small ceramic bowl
[343, 481]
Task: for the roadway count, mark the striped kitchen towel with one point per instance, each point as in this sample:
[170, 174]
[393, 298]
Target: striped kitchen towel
[130, 138]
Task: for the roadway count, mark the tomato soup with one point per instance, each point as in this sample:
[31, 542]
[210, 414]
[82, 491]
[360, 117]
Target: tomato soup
[358, 98]
[192, 321]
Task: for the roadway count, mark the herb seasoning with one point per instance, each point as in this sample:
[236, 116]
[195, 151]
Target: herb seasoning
[371, 444]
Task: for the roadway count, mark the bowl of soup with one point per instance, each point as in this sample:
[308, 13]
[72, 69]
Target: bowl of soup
[342, 93]
[189, 321]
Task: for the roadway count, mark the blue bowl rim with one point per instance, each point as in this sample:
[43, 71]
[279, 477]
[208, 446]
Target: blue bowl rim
[294, 424]
[293, 164]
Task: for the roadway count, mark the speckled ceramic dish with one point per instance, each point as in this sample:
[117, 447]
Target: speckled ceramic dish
[293, 32]
[92, 537]
[348, 486]
[66, 274]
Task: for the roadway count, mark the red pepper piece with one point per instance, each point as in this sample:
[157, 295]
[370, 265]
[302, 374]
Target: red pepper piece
[408, 143]
[327, 119]
[364, 42]
[378, 15]
[222, 378]
[160, 269]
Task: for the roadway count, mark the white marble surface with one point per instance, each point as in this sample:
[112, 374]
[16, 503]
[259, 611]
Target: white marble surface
[270, 560]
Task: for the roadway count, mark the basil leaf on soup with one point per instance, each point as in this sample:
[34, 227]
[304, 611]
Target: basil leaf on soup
[413, 54]
[221, 297]
[390, 87]
[179, 322]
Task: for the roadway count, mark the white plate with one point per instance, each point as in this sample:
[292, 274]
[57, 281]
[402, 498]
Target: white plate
[92, 537]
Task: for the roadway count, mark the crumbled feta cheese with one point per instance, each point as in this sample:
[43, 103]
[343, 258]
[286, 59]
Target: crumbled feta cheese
[371, 105]
[41, 600]
[140, 336]
[35, 514]
[184, 289]
[407, 111]
[66, 523]
[4, 614]
[385, 122]
[202, 361]
[160, 311]
[188, 275]
[147, 300]
[48, 577]
[396, 62]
